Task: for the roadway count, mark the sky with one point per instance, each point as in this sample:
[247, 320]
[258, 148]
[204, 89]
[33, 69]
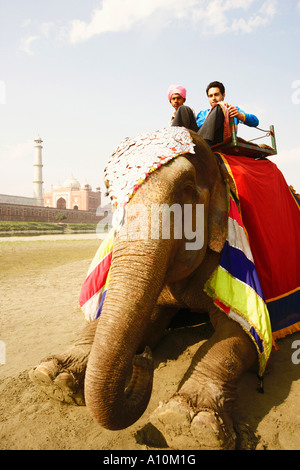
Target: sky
[85, 75]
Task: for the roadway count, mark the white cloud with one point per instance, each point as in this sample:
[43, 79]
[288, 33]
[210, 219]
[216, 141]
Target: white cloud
[26, 43]
[215, 16]
[46, 28]
[264, 16]
[209, 16]
[121, 15]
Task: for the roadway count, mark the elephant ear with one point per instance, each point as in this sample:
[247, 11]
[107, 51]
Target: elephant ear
[218, 214]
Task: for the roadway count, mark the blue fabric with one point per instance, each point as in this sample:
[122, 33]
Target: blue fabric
[290, 306]
[239, 266]
[251, 119]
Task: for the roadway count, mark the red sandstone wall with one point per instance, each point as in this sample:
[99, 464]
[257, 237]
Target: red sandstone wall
[17, 212]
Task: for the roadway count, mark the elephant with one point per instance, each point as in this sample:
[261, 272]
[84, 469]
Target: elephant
[151, 279]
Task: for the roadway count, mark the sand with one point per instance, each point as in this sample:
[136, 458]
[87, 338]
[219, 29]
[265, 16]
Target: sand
[40, 284]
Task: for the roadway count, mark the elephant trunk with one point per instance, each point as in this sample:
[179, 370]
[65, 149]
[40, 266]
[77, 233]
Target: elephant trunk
[137, 276]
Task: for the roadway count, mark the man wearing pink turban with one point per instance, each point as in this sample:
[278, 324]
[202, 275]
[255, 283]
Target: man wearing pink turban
[183, 115]
[176, 90]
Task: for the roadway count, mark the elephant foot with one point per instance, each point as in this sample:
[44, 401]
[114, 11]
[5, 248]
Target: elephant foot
[184, 429]
[57, 383]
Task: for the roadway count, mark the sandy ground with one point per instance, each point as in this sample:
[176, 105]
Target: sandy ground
[40, 284]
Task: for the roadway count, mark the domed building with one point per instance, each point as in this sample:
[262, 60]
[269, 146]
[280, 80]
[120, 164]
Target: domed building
[79, 203]
[72, 195]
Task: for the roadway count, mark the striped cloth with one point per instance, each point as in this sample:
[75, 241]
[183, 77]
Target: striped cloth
[236, 290]
[94, 288]
[271, 217]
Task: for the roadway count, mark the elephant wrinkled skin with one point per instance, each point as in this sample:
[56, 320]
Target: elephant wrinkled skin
[150, 280]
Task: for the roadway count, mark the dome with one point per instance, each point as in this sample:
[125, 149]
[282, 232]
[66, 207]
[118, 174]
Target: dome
[72, 183]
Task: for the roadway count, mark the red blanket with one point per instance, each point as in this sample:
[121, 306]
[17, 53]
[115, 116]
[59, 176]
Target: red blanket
[271, 216]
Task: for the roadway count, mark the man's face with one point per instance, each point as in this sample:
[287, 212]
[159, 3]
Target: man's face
[177, 100]
[214, 96]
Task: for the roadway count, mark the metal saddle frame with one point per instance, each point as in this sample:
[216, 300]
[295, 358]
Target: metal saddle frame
[235, 145]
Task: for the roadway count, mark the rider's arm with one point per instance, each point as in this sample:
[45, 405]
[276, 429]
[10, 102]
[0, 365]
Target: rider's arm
[249, 119]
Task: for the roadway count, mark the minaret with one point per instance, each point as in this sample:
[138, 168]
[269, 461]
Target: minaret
[38, 178]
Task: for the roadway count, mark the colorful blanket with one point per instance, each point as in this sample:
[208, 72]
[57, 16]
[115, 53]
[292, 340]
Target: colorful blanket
[236, 289]
[271, 215]
[94, 288]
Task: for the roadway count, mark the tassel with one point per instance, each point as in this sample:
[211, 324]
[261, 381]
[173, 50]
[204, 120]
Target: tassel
[260, 387]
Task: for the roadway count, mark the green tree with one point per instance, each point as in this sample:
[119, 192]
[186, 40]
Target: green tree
[59, 217]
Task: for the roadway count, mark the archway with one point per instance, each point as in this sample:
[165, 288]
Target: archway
[61, 203]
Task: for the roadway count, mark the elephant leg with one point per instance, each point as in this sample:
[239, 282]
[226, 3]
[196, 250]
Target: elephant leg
[199, 415]
[62, 376]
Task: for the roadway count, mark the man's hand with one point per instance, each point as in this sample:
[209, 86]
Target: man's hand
[234, 112]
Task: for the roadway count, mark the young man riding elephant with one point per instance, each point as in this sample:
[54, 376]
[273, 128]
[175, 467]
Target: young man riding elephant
[209, 123]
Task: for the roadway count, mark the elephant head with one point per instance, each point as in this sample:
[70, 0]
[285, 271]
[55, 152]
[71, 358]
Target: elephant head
[140, 269]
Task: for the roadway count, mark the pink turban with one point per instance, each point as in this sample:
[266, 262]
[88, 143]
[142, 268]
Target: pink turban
[176, 89]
